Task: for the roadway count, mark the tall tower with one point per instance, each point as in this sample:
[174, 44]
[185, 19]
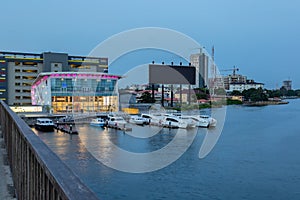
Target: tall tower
[200, 62]
[287, 84]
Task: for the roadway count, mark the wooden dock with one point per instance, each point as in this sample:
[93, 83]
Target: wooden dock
[122, 128]
[66, 128]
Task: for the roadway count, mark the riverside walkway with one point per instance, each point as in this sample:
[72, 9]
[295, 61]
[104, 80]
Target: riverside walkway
[6, 184]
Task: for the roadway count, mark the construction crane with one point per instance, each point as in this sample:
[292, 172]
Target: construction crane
[234, 70]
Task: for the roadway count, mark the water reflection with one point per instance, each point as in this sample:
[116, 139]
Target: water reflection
[124, 152]
[255, 158]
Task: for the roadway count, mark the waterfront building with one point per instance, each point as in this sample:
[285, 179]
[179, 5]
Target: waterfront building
[287, 84]
[127, 97]
[244, 86]
[200, 62]
[186, 96]
[80, 92]
[233, 79]
[239, 98]
[19, 70]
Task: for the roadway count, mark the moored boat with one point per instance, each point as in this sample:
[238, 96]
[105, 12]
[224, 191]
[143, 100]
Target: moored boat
[44, 124]
[116, 122]
[190, 123]
[204, 120]
[153, 119]
[137, 120]
[174, 122]
[98, 122]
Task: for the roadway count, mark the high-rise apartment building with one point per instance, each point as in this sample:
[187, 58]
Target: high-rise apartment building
[200, 62]
[19, 70]
[232, 79]
[287, 84]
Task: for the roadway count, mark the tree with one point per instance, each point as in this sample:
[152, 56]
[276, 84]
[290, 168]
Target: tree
[297, 93]
[255, 94]
[236, 93]
[146, 97]
[283, 91]
[202, 93]
[220, 91]
[291, 93]
[273, 93]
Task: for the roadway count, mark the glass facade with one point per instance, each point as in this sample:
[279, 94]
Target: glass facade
[77, 93]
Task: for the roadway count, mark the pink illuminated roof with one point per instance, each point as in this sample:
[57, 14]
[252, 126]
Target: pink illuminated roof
[80, 75]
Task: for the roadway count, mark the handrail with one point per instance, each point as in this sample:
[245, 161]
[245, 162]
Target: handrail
[37, 171]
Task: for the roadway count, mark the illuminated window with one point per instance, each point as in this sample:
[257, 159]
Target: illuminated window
[30, 71]
[29, 77]
[26, 84]
[30, 63]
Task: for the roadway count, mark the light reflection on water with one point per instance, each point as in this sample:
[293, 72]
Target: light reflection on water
[255, 158]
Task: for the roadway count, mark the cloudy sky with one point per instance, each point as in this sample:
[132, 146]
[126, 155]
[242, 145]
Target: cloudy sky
[261, 38]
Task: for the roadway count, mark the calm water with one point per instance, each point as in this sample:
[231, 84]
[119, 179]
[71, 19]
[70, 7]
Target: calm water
[256, 157]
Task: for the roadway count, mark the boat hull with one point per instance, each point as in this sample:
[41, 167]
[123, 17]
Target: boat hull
[45, 128]
[137, 122]
[98, 124]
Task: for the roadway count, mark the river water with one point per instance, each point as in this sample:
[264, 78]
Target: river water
[256, 157]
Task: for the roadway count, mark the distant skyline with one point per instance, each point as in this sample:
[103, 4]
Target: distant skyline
[261, 38]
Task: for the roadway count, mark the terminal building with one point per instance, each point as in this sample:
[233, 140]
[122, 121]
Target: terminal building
[77, 92]
[19, 70]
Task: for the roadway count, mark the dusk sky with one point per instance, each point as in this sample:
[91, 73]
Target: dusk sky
[261, 38]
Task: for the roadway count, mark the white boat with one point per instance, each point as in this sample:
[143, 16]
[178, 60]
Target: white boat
[153, 119]
[44, 124]
[212, 121]
[204, 120]
[97, 122]
[174, 122]
[116, 122]
[137, 120]
[190, 123]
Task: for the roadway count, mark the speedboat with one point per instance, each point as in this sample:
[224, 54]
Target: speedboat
[190, 123]
[116, 122]
[153, 119]
[44, 124]
[97, 122]
[174, 122]
[137, 120]
[204, 120]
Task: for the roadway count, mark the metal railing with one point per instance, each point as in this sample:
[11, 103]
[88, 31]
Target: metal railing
[37, 172]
